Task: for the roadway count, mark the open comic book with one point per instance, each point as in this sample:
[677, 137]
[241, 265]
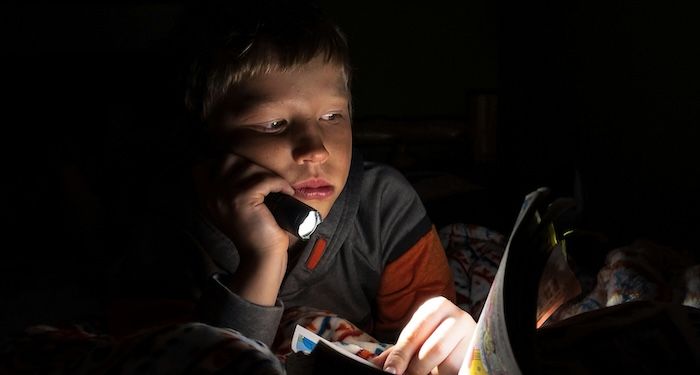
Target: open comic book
[532, 280]
[321, 356]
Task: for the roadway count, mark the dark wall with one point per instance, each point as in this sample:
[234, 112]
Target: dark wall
[415, 60]
[88, 109]
[605, 89]
[601, 94]
[93, 102]
[610, 90]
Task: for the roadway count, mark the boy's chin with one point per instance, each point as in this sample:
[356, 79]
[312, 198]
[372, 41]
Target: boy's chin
[324, 208]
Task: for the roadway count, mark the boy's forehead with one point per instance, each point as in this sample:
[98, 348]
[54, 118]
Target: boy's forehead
[311, 81]
[262, 91]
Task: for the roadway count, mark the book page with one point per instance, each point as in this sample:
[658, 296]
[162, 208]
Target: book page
[558, 284]
[305, 341]
[490, 351]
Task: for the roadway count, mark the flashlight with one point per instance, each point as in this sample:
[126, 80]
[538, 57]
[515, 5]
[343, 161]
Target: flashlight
[292, 215]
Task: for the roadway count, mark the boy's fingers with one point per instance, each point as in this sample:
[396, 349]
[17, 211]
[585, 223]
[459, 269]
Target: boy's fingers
[419, 328]
[250, 192]
[454, 361]
[240, 168]
[284, 187]
[443, 346]
[380, 359]
[232, 174]
[232, 165]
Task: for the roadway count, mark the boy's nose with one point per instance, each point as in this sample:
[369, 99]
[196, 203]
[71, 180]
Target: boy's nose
[309, 147]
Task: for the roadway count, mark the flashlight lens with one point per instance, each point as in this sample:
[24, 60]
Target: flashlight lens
[308, 226]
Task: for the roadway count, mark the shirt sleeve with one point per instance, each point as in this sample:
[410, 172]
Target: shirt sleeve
[420, 273]
[179, 282]
[220, 307]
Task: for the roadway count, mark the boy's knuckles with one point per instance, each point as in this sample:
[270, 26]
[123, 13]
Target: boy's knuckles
[398, 359]
[419, 368]
[449, 367]
[437, 352]
[411, 339]
[447, 305]
[466, 320]
[433, 305]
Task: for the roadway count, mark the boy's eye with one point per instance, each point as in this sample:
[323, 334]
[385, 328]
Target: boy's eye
[273, 126]
[332, 117]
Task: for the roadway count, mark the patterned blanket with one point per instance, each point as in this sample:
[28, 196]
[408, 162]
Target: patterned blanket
[640, 271]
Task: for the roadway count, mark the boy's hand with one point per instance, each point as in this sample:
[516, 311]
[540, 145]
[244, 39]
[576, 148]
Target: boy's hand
[232, 193]
[434, 341]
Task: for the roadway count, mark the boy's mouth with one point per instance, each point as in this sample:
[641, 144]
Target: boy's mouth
[313, 189]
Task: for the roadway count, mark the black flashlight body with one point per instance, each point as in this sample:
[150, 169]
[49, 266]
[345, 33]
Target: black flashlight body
[292, 215]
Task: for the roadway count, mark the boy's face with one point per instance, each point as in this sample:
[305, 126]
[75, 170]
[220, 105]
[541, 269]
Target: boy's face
[296, 124]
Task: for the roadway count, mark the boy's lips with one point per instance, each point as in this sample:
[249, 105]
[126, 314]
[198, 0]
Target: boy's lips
[313, 189]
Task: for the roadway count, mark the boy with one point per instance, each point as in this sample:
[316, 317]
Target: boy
[272, 105]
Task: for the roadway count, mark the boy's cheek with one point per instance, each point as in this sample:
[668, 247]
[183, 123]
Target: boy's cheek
[240, 142]
[264, 153]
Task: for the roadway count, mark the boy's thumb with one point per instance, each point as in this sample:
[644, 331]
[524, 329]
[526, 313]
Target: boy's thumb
[396, 361]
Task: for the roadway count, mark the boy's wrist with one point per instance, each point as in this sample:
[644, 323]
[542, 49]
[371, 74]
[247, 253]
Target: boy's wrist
[258, 277]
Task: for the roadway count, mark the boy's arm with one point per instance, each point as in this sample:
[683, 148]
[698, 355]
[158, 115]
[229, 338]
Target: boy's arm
[219, 304]
[232, 193]
[419, 274]
[220, 307]
[180, 282]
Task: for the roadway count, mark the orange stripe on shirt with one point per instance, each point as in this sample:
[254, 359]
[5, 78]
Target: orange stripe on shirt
[421, 273]
[316, 253]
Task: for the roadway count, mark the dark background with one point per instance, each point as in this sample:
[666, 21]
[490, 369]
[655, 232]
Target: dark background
[506, 96]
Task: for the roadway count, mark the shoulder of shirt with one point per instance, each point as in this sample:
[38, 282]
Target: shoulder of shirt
[382, 174]
[380, 181]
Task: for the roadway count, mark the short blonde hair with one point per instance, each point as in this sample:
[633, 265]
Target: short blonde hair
[282, 38]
